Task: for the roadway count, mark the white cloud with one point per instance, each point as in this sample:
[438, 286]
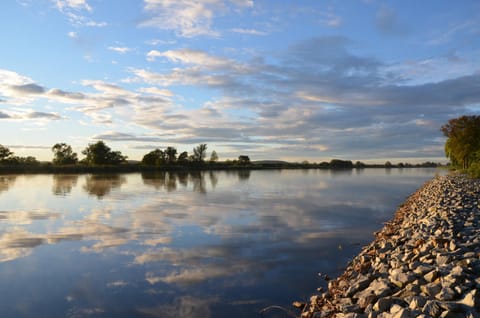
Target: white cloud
[188, 18]
[192, 57]
[74, 9]
[120, 49]
[156, 91]
[249, 31]
[72, 4]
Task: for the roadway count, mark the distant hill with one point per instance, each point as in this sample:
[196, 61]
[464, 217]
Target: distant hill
[269, 162]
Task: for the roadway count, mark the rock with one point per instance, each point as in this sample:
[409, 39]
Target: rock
[443, 259]
[400, 278]
[402, 313]
[471, 299]
[431, 276]
[362, 283]
[417, 302]
[432, 309]
[420, 263]
[299, 305]
[380, 287]
[367, 300]
[431, 289]
[383, 304]
[452, 314]
[445, 294]
[422, 269]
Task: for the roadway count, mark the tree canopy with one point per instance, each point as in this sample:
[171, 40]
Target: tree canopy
[4, 153]
[243, 159]
[463, 140]
[199, 153]
[100, 154]
[63, 154]
[154, 157]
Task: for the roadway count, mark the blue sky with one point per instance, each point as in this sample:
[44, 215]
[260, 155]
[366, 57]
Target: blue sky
[294, 80]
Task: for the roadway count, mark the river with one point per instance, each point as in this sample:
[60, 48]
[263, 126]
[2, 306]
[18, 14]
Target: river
[201, 244]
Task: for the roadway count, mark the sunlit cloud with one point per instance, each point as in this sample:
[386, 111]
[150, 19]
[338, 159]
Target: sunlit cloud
[120, 49]
[186, 17]
[249, 31]
[72, 4]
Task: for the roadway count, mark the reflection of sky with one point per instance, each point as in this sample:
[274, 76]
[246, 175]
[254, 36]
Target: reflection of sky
[163, 245]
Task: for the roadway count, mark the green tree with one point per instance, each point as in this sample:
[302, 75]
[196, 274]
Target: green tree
[463, 140]
[155, 157]
[100, 154]
[243, 159]
[171, 155]
[4, 153]
[63, 154]
[213, 156]
[183, 157]
[199, 153]
[341, 164]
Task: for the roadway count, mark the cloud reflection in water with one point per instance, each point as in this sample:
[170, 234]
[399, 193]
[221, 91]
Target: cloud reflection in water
[198, 239]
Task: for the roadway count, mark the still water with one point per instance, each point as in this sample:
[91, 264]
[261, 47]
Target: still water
[203, 244]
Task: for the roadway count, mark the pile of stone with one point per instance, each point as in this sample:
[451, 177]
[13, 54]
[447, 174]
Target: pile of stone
[424, 263]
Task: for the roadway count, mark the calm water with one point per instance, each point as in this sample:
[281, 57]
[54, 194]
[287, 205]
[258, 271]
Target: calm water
[221, 244]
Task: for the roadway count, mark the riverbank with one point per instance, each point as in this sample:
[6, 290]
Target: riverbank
[189, 166]
[423, 263]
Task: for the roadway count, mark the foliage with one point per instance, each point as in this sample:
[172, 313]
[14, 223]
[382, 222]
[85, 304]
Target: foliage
[155, 157]
[63, 154]
[199, 153]
[171, 155]
[4, 153]
[463, 140]
[243, 159]
[15, 161]
[183, 157]
[213, 156]
[341, 164]
[474, 170]
[100, 154]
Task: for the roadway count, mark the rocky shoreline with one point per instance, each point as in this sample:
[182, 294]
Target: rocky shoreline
[423, 263]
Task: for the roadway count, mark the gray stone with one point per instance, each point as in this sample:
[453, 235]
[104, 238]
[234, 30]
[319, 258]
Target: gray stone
[431, 276]
[360, 284]
[432, 308]
[452, 314]
[383, 304]
[417, 302]
[402, 313]
[423, 269]
[471, 299]
[443, 259]
[431, 289]
[395, 308]
[445, 294]
[380, 287]
[367, 300]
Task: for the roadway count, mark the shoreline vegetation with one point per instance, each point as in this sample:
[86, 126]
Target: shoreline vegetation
[99, 158]
[425, 262]
[47, 167]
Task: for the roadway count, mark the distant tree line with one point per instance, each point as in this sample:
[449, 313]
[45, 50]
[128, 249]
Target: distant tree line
[100, 154]
[100, 157]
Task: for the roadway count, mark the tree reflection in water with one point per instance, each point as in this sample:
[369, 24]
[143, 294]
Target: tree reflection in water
[101, 184]
[6, 182]
[64, 183]
[161, 180]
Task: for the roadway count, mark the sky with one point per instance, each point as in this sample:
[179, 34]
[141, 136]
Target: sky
[314, 80]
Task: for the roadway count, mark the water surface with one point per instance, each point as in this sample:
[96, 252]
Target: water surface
[202, 244]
